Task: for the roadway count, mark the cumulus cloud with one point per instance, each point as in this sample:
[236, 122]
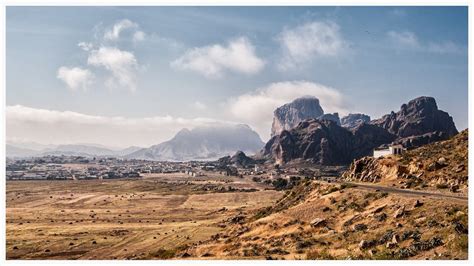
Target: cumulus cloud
[75, 77]
[113, 34]
[121, 64]
[62, 127]
[212, 61]
[310, 41]
[256, 108]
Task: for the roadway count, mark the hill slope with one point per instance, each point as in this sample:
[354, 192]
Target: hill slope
[440, 165]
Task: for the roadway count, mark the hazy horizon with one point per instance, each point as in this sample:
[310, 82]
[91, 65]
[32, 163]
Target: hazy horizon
[135, 76]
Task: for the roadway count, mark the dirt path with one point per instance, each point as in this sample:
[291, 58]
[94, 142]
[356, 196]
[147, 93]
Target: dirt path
[408, 192]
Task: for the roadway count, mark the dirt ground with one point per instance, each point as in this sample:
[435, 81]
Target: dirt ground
[149, 218]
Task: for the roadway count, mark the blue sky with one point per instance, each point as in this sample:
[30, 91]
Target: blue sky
[142, 73]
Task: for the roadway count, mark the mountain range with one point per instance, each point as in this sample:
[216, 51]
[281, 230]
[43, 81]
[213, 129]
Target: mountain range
[203, 143]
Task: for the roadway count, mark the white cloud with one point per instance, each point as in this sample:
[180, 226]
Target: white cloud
[212, 61]
[138, 36]
[121, 64]
[310, 41]
[256, 108]
[113, 34]
[409, 40]
[75, 77]
[404, 38]
[62, 127]
[199, 105]
[86, 46]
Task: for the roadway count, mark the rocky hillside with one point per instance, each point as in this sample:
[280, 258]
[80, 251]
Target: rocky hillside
[329, 221]
[440, 165]
[203, 143]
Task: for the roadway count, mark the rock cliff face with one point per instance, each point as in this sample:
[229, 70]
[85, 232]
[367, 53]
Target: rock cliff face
[353, 120]
[289, 115]
[324, 142]
[418, 117]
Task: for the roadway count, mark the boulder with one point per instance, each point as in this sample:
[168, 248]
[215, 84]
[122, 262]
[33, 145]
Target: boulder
[318, 222]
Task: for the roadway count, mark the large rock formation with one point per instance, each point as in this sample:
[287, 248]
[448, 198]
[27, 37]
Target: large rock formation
[289, 115]
[353, 120]
[418, 117]
[324, 142]
[203, 143]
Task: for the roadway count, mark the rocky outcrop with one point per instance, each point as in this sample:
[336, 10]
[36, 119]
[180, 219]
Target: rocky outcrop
[420, 116]
[239, 159]
[291, 114]
[441, 164]
[353, 120]
[324, 142]
[333, 117]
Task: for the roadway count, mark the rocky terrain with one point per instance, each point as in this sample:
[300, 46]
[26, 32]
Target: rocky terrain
[439, 165]
[353, 120]
[323, 141]
[203, 143]
[328, 221]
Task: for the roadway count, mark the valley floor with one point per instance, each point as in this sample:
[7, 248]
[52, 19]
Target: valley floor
[148, 218]
[171, 216]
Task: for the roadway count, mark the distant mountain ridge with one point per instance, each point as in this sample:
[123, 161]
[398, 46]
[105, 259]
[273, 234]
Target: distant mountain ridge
[89, 150]
[203, 143]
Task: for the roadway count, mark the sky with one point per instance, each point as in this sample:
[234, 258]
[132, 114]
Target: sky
[134, 76]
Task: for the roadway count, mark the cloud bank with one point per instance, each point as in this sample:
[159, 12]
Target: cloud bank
[63, 127]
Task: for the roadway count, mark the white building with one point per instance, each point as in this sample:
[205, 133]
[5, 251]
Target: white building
[392, 149]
